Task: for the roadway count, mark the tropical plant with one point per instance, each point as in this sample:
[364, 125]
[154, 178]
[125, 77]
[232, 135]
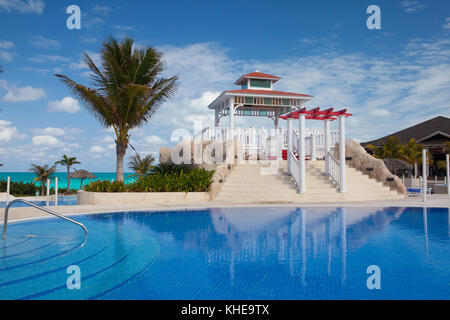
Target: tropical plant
[447, 146]
[167, 178]
[391, 148]
[43, 173]
[126, 90]
[19, 189]
[141, 166]
[68, 162]
[412, 153]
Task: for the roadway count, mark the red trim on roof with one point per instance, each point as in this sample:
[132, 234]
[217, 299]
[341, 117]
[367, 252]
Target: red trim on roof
[261, 75]
[316, 114]
[269, 92]
[256, 75]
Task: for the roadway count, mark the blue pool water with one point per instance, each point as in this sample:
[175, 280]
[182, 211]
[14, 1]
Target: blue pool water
[62, 201]
[233, 253]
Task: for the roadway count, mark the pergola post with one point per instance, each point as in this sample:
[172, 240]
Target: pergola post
[327, 144]
[289, 141]
[313, 146]
[231, 107]
[424, 175]
[447, 158]
[301, 146]
[342, 187]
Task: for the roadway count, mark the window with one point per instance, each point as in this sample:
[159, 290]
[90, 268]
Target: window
[268, 101]
[248, 100]
[260, 83]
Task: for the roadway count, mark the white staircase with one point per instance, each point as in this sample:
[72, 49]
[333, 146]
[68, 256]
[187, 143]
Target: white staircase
[247, 184]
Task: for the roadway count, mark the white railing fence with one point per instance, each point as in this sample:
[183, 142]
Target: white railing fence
[265, 139]
[334, 169]
[294, 168]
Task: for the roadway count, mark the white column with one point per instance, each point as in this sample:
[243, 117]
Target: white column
[313, 146]
[424, 174]
[448, 174]
[289, 141]
[342, 153]
[327, 144]
[8, 188]
[48, 192]
[216, 117]
[56, 191]
[231, 107]
[302, 149]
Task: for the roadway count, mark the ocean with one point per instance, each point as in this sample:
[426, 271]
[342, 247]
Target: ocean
[62, 178]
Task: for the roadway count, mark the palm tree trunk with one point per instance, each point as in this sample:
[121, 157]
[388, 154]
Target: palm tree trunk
[120, 154]
[68, 179]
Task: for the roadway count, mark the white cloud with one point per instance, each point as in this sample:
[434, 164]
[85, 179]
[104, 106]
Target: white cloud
[105, 10]
[41, 58]
[123, 28]
[22, 6]
[21, 94]
[97, 149]
[67, 104]
[446, 25]
[154, 140]
[80, 65]
[49, 131]
[412, 6]
[8, 133]
[90, 40]
[45, 43]
[6, 55]
[6, 45]
[46, 141]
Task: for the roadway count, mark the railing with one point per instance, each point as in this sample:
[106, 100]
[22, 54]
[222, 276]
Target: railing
[293, 168]
[5, 223]
[262, 139]
[334, 170]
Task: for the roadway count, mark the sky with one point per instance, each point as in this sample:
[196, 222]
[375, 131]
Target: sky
[389, 78]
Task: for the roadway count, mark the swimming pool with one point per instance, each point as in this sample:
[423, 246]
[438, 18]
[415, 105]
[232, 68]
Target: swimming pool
[232, 253]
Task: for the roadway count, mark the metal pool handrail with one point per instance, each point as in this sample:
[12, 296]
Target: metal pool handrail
[5, 223]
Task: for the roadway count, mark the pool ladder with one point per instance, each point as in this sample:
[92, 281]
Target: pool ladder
[5, 223]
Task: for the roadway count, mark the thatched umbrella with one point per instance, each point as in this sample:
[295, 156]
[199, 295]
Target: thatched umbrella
[82, 174]
[397, 165]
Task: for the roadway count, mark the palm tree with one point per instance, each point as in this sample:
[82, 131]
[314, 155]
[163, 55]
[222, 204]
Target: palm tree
[391, 148]
[43, 173]
[127, 90]
[412, 153]
[141, 166]
[68, 162]
[447, 146]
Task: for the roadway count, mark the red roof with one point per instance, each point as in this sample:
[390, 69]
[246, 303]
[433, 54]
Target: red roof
[269, 92]
[261, 75]
[257, 75]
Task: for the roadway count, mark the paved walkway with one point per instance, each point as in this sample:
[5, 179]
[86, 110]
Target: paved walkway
[24, 213]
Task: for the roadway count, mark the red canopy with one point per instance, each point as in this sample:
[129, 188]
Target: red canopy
[316, 114]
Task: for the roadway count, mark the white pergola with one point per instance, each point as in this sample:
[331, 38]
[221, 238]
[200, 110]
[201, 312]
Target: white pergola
[296, 158]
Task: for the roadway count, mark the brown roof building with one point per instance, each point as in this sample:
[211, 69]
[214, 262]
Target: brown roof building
[432, 134]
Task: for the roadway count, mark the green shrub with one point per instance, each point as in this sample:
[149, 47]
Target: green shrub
[164, 178]
[19, 188]
[106, 186]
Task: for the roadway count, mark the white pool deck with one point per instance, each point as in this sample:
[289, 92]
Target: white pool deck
[26, 213]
